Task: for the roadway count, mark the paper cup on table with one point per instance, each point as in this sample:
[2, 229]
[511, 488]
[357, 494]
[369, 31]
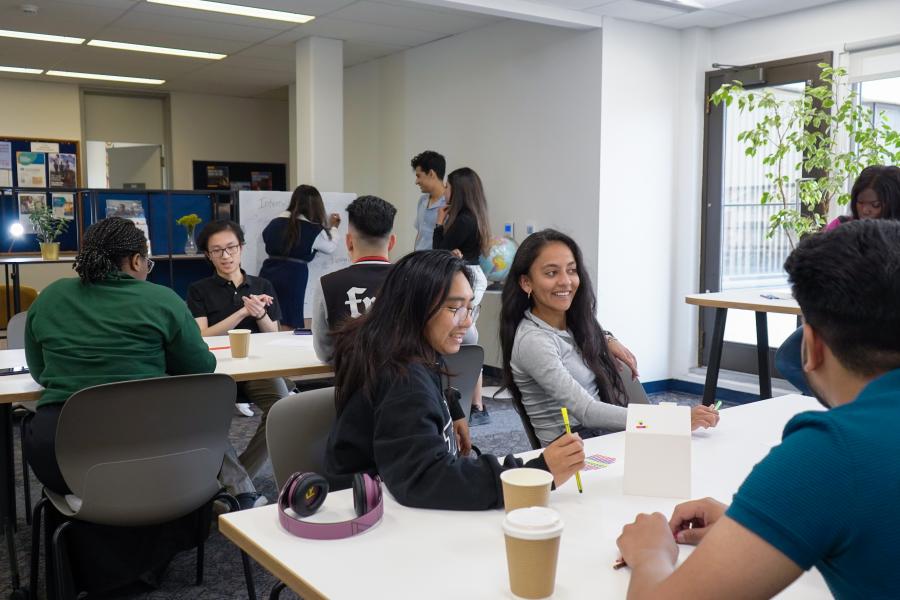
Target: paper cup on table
[525, 487]
[532, 547]
[240, 342]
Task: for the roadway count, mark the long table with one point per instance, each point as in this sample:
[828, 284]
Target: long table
[415, 553]
[760, 303]
[271, 355]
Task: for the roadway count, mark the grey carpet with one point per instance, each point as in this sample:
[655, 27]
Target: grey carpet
[223, 572]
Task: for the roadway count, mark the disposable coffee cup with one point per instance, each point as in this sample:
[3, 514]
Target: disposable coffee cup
[240, 342]
[525, 487]
[532, 548]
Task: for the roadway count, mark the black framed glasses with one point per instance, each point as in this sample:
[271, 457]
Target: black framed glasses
[232, 250]
[460, 313]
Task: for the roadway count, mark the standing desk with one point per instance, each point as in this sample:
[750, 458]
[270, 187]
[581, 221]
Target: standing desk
[271, 355]
[742, 300]
[436, 554]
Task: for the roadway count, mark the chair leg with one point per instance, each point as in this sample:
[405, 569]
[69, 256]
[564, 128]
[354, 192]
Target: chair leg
[26, 479]
[245, 560]
[276, 591]
[61, 566]
[36, 521]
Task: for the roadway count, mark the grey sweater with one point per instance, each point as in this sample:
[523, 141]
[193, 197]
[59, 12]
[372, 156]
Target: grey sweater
[550, 373]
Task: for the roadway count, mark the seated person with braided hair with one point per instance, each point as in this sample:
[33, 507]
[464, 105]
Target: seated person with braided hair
[109, 325]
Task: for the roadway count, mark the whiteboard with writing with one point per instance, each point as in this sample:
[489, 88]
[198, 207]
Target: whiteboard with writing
[257, 209]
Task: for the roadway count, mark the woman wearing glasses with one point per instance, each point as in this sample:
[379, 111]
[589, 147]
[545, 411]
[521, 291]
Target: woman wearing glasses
[395, 411]
[292, 240]
[231, 299]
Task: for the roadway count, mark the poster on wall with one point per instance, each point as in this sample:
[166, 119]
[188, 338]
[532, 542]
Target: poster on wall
[5, 156]
[260, 180]
[29, 203]
[128, 209]
[217, 177]
[31, 169]
[62, 170]
[63, 206]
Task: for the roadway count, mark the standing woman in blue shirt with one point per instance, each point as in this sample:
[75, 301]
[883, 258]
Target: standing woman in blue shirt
[292, 240]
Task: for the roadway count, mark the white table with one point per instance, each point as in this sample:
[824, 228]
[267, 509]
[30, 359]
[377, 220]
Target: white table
[416, 553]
[761, 302]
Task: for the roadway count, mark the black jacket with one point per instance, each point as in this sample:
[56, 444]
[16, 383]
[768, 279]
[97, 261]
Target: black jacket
[404, 432]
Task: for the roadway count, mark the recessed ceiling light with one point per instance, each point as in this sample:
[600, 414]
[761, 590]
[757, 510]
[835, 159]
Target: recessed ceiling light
[236, 9]
[41, 37]
[106, 77]
[156, 49]
[21, 70]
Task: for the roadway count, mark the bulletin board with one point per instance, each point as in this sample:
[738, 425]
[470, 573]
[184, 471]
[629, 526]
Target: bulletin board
[239, 176]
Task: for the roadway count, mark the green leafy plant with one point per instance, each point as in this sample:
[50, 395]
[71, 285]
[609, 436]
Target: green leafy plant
[189, 221]
[828, 126]
[46, 226]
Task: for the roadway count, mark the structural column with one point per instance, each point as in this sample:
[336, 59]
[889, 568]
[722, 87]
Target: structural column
[317, 111]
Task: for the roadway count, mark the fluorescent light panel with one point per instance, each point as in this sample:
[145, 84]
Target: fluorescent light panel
[41, 37]
[236, 9]
[21, 70]
[106, 77]
[155, 49]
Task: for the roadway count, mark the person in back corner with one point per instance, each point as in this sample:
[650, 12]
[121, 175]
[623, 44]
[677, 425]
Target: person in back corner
[555, 353]
[232, 299]
[350, 292]
[292, 239]
[395, 411]
[429, 168]
[464, 229]
[827, 496]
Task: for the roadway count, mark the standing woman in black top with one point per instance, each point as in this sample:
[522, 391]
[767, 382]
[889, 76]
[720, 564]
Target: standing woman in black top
[464, 229]
[292, 240]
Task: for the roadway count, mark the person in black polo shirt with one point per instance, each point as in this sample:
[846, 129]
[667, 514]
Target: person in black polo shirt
[231, 299]
[350, 292]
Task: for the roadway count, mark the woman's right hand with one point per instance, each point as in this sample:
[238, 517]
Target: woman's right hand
[564, 457]
[334, 220]
[703, 416]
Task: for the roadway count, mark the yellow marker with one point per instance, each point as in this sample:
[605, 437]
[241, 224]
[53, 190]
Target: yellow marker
[565, 415]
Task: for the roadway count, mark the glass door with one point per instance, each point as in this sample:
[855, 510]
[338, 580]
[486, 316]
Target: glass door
[736, 254]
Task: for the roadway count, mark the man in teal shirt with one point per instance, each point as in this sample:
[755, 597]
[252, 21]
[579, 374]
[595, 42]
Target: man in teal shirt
[108, 325]
[828, 495]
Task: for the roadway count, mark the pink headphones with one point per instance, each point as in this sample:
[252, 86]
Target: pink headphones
[305, 493]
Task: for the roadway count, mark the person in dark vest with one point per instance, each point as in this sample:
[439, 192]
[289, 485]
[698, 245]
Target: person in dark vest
[292, 240]
[350, 292]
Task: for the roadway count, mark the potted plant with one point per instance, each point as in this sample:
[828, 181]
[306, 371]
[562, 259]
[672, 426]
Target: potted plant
[827, 125]
[47, 228]
[190, 222]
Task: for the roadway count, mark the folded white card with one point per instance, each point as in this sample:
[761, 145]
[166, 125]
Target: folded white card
[658, 451]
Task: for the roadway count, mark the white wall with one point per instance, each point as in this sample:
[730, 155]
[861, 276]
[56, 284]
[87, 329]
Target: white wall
[138, 119]
[638, 161]
[34, 109]
[517, 102]
[224, 128]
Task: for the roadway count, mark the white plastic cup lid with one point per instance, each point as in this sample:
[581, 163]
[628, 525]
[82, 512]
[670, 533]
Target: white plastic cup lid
[533, 523]
[527, 477]
[230, 331]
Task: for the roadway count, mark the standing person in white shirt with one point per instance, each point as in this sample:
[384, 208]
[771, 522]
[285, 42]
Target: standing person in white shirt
[429, 167]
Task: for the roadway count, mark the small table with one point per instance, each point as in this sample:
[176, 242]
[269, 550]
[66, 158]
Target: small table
[760, 302]
[437, 554]
[15, 261]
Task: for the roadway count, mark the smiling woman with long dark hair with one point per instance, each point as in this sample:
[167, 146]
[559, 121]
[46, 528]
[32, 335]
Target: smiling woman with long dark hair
[395, 410]
[555, 354]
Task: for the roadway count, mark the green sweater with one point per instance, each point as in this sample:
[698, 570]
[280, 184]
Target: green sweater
[78, 335]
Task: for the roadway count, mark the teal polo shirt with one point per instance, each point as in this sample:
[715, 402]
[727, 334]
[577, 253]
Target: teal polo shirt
[829, 495]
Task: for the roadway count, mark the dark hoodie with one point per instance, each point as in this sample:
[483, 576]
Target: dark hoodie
[404, 432]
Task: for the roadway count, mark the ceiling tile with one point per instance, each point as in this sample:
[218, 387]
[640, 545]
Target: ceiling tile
[148, 21]
[755, 9]
[635, 10]
[421, 18]
[168, 39]
[59, 18]
[358, 32]
[701, 18]
[356, 53]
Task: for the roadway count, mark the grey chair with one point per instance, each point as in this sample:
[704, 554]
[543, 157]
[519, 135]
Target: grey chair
[297, 430]
[296, 434]
[139, 453]
[15, 340]
[464, 368]
[634, 392]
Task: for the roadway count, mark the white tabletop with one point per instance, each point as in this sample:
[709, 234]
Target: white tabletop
[271, 355]
[416, 553]
[757, 299]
